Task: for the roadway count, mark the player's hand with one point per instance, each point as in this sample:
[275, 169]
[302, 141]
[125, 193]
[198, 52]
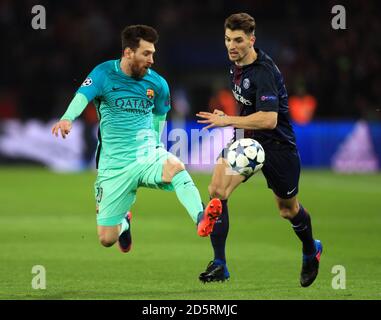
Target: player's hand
[213, 119]
[64, 126]
[219, 112]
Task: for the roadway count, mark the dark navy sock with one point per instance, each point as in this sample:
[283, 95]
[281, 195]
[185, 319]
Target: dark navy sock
[220, 233]
[301, 224]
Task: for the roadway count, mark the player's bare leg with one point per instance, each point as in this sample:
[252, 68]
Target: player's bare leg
[224, 182]
[108, 235]
[288, 208]
[291, 210]
[171, 167]
[121, 233]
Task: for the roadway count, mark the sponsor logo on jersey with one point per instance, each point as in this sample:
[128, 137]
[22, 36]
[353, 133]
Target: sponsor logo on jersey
[87, 82]
[267, 98]
[150, 93]
[241, 99]
[134, 105]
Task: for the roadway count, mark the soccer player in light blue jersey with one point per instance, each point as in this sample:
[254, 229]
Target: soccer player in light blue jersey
[131, 101]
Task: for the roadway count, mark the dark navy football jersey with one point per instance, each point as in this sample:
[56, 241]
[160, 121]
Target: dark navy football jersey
[260, 87]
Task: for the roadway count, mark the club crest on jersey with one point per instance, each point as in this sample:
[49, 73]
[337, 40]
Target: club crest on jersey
[246, 83]
[87, 82]
[150, 93]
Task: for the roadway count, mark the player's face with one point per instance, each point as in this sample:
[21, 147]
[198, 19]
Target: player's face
[238, 44]
[141, 59]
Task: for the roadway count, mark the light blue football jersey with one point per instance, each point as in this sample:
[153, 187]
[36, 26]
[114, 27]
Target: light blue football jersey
[125, 108]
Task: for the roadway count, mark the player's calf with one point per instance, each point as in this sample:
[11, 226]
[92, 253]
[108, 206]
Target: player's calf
[182, 183]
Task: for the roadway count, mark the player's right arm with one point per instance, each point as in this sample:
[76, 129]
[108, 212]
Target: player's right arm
[267, 105]
[76, 106]
[89, 89]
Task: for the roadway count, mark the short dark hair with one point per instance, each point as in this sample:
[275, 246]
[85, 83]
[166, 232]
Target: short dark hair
[132, 35]
[241, 21]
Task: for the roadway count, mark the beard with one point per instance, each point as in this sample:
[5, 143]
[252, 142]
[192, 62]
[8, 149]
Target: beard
[137, 72]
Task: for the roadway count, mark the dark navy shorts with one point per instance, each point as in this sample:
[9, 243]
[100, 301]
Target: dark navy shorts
[281, 169]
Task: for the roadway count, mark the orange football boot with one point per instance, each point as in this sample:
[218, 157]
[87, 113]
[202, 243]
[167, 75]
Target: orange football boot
[211, 213]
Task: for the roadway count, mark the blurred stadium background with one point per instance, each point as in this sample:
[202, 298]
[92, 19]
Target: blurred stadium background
[333, 80]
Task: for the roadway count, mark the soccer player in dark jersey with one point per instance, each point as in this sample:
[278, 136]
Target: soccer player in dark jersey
[259, 89]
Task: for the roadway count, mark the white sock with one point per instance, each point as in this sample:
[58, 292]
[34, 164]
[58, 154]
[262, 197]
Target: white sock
[124, 226]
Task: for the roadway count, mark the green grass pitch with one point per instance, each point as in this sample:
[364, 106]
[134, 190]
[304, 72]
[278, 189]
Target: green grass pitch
[48, 219]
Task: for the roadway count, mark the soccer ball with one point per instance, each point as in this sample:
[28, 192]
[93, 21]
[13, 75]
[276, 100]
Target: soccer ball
[246, 156]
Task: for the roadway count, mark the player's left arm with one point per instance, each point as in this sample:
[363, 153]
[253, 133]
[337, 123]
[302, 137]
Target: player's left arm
[267, 105]
[162, 106]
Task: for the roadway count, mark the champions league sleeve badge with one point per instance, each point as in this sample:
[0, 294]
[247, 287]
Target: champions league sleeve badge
[87, 82]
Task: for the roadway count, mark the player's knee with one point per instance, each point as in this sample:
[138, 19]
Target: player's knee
[177, 167]
[106, 241]
[171, 169]
[286, 213]
[288, 209]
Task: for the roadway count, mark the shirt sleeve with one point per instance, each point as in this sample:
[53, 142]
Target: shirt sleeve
[267, 98]
[92, 86]
[76, 106]
[162, 100]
